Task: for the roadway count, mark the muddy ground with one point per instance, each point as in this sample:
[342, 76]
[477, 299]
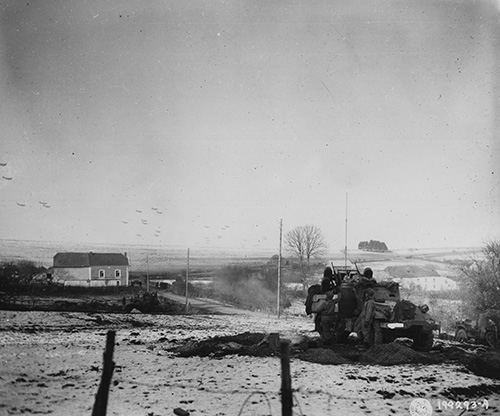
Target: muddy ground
[50, 363]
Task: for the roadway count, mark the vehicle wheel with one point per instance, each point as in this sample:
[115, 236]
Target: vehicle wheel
[461, 335]
[423, 340]
[491, 339]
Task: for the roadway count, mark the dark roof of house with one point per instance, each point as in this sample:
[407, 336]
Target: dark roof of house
[90, 259]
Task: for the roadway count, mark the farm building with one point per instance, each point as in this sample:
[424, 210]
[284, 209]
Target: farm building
[429, 283]
[91, 269]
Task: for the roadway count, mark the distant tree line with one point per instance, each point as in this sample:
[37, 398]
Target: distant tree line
[18, 276]
[372, 245]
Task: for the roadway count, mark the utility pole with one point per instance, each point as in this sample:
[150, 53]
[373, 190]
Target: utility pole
[147, 273]
[345, 247]
[279, 270]
[187, 280]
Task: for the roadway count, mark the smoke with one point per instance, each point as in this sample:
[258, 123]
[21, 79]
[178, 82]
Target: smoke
[249, 287]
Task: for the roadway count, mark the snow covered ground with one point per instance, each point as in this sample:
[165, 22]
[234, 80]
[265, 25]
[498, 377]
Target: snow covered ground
[50, 363]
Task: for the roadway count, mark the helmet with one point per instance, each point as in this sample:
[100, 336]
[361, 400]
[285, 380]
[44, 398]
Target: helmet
[424, 308]
[367, 272]
[328, 272]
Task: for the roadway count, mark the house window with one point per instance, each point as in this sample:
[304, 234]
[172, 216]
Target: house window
[117, 283]
[118, 273]
[102, 274]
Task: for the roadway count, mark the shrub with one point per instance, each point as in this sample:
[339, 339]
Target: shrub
[481, 282]
[17, 277]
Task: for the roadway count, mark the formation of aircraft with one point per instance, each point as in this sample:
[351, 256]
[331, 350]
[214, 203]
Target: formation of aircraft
[7, 178]
[21, 204]
[145, 221]
[45, 204]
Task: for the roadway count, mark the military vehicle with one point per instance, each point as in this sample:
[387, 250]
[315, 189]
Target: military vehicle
[483, 330]
[394, 317]
[147, 303]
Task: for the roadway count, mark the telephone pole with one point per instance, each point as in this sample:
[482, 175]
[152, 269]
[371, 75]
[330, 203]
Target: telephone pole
[187, 280]
[147, 273]
[279, 270]
[345, 247]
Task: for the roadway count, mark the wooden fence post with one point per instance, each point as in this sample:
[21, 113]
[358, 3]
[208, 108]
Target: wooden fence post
[286, 380]
[101, 398]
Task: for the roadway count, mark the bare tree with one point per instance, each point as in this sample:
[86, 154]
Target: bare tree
[305, 242]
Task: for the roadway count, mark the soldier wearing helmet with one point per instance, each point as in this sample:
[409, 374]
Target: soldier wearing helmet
[368, 273]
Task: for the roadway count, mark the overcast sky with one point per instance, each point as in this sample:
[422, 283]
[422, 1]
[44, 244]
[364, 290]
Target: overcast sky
[226, 116]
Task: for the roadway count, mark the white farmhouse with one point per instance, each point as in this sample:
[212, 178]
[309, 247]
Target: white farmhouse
[91, 269]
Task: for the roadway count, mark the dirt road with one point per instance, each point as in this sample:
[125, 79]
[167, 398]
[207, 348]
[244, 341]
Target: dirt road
[204, 305]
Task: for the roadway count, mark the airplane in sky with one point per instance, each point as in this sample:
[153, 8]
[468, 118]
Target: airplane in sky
[125, 222]
[21, 205]
[8, 178]
[3, 164]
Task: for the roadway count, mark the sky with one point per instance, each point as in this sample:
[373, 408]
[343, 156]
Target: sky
[215, 119]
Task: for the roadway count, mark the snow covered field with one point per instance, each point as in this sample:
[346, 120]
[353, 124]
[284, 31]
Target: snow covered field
[50, 364]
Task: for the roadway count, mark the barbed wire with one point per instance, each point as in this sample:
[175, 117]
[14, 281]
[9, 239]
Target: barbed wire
[250, 396]
[331, 396]
[297, 402]
[267, 396]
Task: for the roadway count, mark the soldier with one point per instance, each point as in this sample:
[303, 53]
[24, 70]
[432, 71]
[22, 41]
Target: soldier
[327, 317]
[367, 321]
[328, 282]
[363, 282]
[311, 292]
[367, 278]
